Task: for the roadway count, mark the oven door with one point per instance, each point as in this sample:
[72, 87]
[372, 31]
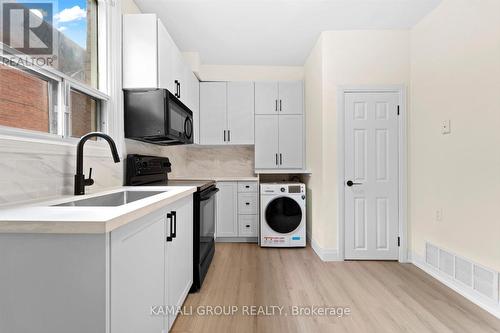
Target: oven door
[207, 220]
[179, 121]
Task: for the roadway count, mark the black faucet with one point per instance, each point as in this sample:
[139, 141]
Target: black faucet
[80, 181]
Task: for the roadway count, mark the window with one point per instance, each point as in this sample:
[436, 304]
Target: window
[26, 100]
[63, 96]
[76, 29]
[84, 114]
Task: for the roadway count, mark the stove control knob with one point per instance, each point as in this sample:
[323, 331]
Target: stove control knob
[303, 197]
[282, 189]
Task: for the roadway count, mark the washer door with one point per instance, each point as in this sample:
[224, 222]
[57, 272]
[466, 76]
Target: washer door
[283, 215]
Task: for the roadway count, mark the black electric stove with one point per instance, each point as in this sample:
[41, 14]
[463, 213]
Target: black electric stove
[153, 171]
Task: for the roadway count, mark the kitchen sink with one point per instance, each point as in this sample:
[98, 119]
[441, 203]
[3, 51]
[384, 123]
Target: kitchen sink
[111, 200]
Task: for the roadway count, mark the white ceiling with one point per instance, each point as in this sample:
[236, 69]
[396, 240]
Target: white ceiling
[274, 32]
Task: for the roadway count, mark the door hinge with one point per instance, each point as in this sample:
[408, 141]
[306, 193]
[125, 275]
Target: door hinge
[398, 110]
[399, 241]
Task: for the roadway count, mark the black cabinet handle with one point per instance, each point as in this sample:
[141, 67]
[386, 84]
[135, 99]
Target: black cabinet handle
[229, 135]
[281, 159]
[280, 105]
[224, 135]
[169, 237]
[351, 183]
[179, 89]
[276, 158]
[276, 105]
[247, 186]
[247, 226]
[176, 88]
[247, 203]
[174, 217]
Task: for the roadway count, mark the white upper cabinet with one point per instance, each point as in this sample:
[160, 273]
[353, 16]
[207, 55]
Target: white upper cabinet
[165, 63]
[291, 141]
[226, 113]
[266, 97]
[140, 51]
[266, 142]
[240, 113]
[279, 141]
[151, 60]
[284, 97]
[213, 105]
[194, 105]
[291, 100]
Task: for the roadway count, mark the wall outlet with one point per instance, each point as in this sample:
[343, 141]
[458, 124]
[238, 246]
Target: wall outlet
[445, 127]
[439, 215]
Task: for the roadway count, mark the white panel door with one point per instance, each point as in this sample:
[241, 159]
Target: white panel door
[291, 141]
[166, 47]
[266, 142]
[291, 99]
[371, 164]
[179, 254]
[240, 112]
[227, 209]
[140, 57]
[213, 122]
[266, 97]
[138, 275]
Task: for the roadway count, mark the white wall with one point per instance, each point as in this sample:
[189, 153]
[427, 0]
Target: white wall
[313, 79]
[364, 57]
[250, 73]
[455, 73]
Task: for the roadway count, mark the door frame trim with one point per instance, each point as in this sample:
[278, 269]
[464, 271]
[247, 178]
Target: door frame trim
[402, 162]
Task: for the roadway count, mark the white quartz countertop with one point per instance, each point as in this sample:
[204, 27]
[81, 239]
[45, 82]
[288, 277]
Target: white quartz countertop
[44, 217]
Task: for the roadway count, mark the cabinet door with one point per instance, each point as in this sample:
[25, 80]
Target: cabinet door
[266, 142]
[212, 113]
[138, 275]
[291, 141]
[179, 255]
[166, 48]
[194, 96]
[139, 49]
[240, 112]
[227, 209]
[179, 70]
[266, 98]
[291, 97]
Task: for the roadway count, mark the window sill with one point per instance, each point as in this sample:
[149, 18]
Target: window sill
[20, 141]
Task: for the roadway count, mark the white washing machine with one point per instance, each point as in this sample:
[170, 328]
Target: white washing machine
[282, 215]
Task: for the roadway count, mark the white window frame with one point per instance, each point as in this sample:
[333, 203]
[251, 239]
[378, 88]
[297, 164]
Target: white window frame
[108, 30]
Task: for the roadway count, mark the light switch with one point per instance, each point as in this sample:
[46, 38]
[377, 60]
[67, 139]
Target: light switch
[445, 127]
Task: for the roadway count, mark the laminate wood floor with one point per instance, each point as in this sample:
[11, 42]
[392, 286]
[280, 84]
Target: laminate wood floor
[382, 296]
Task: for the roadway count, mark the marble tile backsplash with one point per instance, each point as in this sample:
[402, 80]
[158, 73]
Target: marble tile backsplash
[207, 162]
[34, 171]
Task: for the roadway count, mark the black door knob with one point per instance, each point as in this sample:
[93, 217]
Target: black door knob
[351, 183]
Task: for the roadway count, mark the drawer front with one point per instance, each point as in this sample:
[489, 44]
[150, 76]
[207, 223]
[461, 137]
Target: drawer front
[247, 203]
[250, 187]
[248, 225]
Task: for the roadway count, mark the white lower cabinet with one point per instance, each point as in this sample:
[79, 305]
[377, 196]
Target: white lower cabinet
[151, 265]
[227, 209]
[237, 211]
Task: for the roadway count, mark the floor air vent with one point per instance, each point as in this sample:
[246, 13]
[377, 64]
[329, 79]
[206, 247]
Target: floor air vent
[476, 277]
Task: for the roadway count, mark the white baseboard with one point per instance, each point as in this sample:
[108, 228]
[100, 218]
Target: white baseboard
[476, 298]
[324, 254]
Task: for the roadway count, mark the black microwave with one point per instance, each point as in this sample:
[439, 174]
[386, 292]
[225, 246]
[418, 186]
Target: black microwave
[157, 116]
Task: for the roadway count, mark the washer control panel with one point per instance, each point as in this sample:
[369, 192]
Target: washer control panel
[279, 188]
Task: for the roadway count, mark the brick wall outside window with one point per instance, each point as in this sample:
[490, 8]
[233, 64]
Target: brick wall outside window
[24, 100]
